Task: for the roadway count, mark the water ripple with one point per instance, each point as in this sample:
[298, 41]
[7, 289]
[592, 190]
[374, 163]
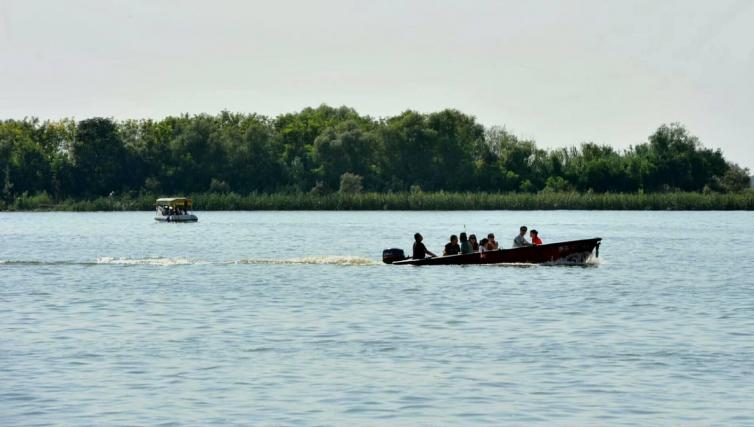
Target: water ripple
[249, 318]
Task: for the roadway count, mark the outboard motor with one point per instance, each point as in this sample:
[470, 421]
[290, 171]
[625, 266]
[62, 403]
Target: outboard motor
[392, 255]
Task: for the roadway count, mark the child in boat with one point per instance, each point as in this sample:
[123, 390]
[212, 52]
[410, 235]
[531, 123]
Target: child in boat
[535, 240]
[483, 245]
[420, 251]
[466, 247]
[452, 248]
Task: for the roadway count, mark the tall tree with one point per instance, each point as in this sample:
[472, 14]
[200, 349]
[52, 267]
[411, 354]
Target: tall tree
[457, 140]
[254, 163]
[343, 148]
[98, 155]
[409, 152]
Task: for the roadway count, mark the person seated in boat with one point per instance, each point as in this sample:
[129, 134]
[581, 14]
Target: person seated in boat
[483, 245]
[474, 243]
[465, 244]
[492, 244]
[520, 240]
[452, 247]
[535, 240]
[420, 251]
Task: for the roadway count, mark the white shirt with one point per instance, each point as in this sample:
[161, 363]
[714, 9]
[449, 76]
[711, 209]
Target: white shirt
[520, 241]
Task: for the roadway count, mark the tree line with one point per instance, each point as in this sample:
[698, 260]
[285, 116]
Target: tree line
[325, 150]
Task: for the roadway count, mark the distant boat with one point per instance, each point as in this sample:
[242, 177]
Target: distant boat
[174, 209]
[572, 252]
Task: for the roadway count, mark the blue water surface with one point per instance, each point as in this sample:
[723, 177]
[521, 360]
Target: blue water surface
[290, 318]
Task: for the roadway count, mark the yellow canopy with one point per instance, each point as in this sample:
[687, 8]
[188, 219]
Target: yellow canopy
[174, 201]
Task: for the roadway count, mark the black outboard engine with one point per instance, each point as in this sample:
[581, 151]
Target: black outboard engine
[392, 255]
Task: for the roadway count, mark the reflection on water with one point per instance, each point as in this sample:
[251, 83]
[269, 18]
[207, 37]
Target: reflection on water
[314, 260]
[280, 318]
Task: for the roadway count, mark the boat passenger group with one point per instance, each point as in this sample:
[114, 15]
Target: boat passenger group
[176, 210]
[470, 245]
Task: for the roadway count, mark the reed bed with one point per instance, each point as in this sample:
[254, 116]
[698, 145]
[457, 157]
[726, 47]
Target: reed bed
[405, 201]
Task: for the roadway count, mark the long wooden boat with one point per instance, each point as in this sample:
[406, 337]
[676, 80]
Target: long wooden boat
[572, 252]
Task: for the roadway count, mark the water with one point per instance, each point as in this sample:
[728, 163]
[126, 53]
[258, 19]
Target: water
[289, 318]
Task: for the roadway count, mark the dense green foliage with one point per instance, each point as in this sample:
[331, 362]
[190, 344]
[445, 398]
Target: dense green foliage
[328, 150]
[409, 201]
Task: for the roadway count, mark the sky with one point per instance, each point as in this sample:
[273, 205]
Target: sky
[561, 73]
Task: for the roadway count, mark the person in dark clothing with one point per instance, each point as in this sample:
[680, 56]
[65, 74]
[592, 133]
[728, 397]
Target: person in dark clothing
[452, 247]
[420, 251]
[474, 243]
[466, 247]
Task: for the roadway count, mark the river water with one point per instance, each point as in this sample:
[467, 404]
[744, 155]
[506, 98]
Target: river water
[290, 318]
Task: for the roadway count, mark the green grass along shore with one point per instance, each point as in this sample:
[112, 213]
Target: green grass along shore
[404, 201]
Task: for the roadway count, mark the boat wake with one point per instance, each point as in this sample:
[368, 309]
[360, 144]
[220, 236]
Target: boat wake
[148, 261]
[314, 260]
[589, 262]
[167, 262]
[310, 260]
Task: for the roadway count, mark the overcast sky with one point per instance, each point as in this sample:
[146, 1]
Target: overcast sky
[558, 72]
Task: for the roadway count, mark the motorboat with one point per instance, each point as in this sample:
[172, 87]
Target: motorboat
[571, 252]
[174, 209]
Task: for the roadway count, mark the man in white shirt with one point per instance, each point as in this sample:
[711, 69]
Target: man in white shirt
[520, 240]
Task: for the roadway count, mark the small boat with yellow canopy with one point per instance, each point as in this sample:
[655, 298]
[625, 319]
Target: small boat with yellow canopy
[174, 209]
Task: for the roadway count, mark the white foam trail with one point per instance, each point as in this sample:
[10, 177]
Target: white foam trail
[164, 262]
[591, 261]
[145, 261]
[595, 261]
[313, 260]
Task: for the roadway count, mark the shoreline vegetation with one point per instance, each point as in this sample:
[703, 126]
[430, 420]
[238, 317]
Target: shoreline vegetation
[334, 158]
[404, 201]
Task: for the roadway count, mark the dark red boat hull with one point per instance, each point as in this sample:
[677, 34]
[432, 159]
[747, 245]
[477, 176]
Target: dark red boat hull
[573, 252]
